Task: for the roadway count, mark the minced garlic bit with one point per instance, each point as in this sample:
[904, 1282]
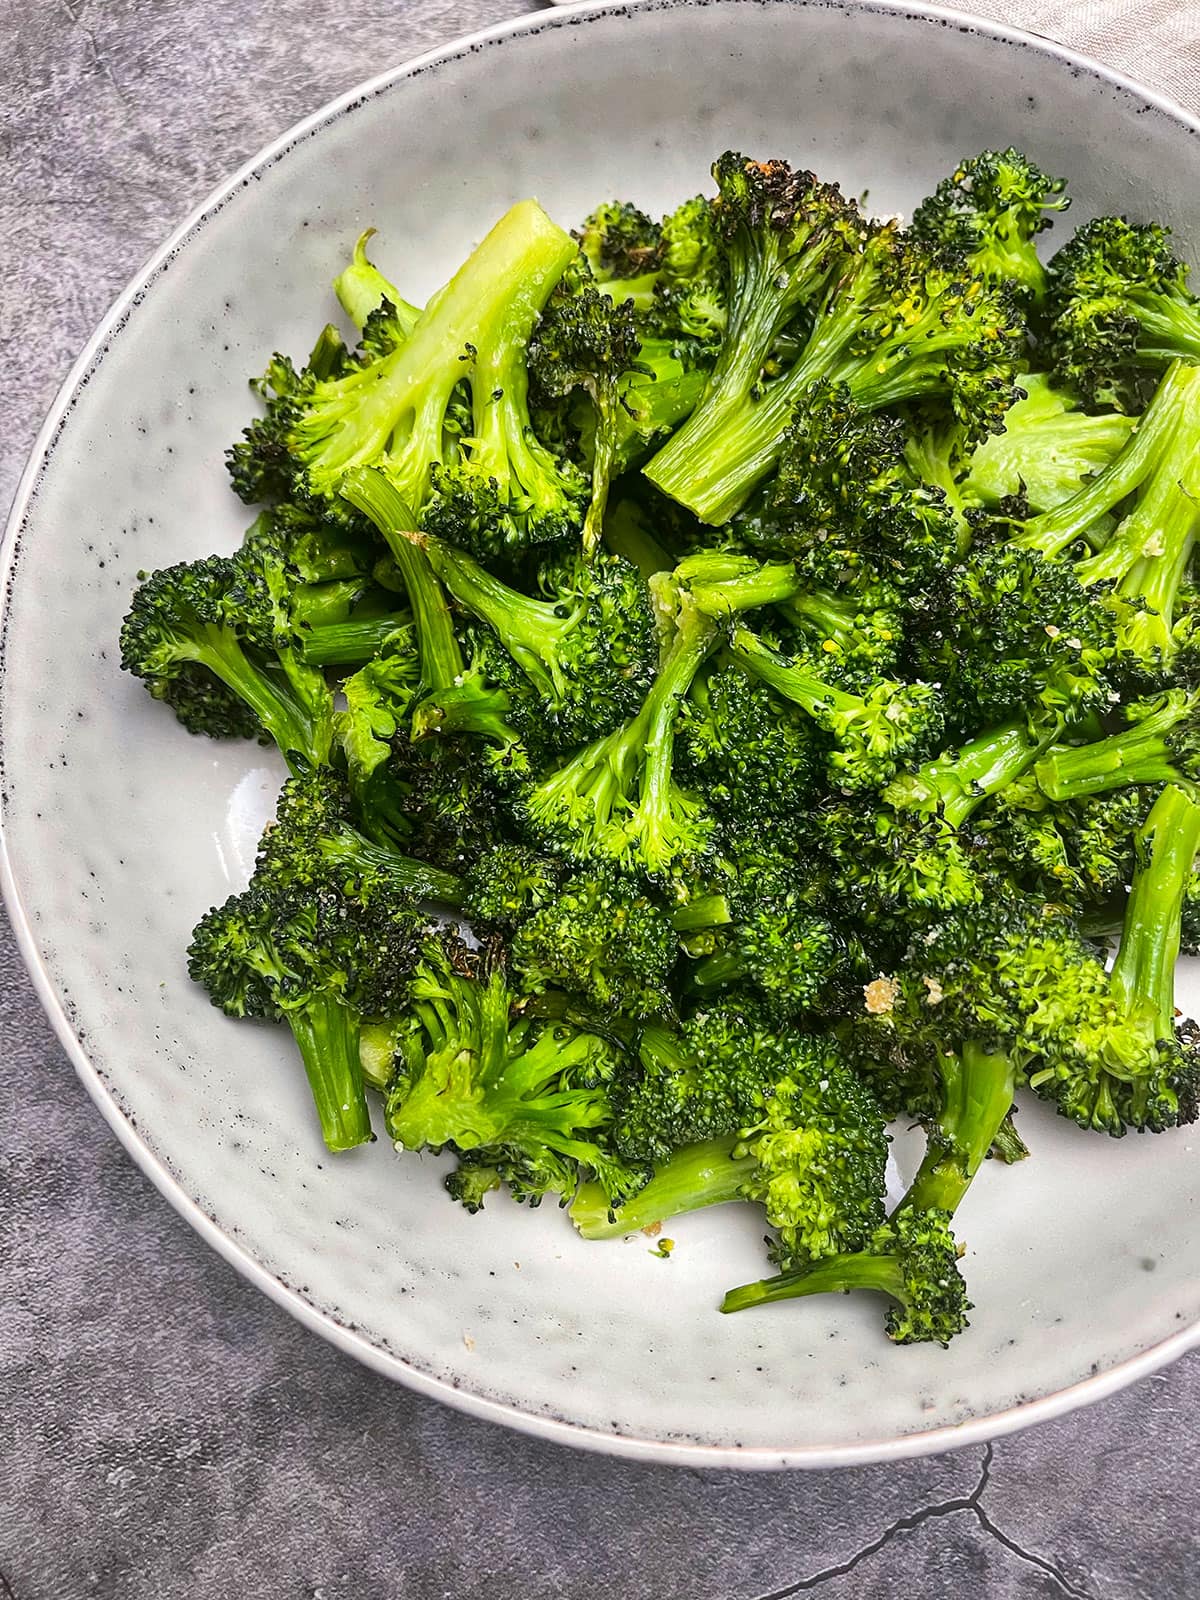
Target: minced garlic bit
[468, 1341]
[653, 1230]
[1052, 632]
[935, 993]
[880, 995]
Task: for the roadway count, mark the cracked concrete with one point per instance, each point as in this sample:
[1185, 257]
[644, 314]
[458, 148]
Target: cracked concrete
[166, 1430]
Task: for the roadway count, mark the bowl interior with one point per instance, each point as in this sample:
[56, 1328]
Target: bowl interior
[120, 830]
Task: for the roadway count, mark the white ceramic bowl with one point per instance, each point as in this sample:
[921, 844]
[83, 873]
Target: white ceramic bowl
[1084, 1263]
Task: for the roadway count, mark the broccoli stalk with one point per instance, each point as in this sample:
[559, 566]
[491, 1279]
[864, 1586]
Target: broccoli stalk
[351, 642]
[371, 492]
[954, 786]
[708, 1173]
[873, 733]
[1160, 746]
[977, 1087]
[1047, 450]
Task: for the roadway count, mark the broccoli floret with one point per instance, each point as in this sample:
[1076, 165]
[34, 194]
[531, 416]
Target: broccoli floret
[620, 242]
[1125, 1062]
[856, 631]
[782, 948]
[990, 211]
[845, 495]
[618, 798]
[1079, 853]
[318, 951]
[913, 1259]
[910, 855]
[1016, 632]
[899, 323]
[791, 1128]
[668, 273]
[322, 550]
[589, 648]
[493, 489]
[315, 835]
[261, 465]
[586, 343]
[600, 936]
[872, 734]
[527, 1099]
[748, 751]
[1118, 305]
[510, 882]
[217, 641]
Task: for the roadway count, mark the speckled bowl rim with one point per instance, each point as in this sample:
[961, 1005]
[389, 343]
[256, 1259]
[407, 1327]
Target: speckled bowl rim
[560, 1430]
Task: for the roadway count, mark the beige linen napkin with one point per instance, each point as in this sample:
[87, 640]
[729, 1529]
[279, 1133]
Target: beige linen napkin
[1155, 41]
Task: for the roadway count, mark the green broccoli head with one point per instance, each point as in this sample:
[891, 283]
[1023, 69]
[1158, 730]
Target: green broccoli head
[208, 637]
[600, 936]
[748, 751]
[528, 1099]
[990, 211]
[1118, 306]
[912, 1259]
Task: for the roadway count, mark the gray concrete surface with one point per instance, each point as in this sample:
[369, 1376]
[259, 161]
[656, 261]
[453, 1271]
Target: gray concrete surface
[164, 1430]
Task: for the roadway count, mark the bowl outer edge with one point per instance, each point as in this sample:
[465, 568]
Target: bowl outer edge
[978, 1430]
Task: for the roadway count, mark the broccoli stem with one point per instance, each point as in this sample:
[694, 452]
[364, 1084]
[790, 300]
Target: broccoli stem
[469, 707]
[833, 617]
[978, 1088]
[1149, 443]
[705, 1174]
[529, 629]
[1142, 753]
[441, 658]
[840, 1274]
[742, 591]
[794, 682]
[1143, 974]
[705, 911]
[326, 1033]
[348, 644]
[732, 437]
[957, 784]
[349, 848]
[695, 637]
[284, 717]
